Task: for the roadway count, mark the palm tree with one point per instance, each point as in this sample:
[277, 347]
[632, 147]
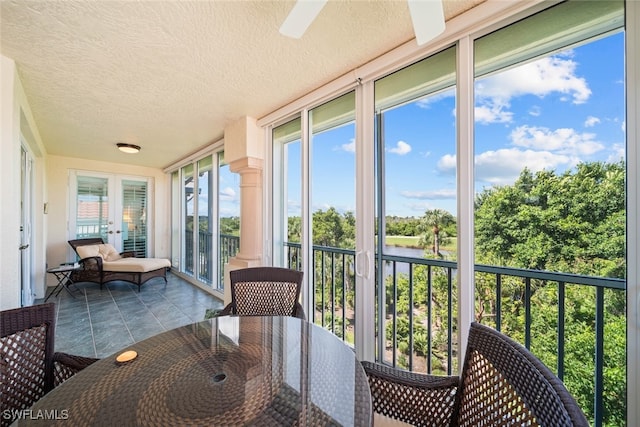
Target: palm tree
[431, 224]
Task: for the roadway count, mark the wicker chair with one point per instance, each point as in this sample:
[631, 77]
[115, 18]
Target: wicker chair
[265, 291]
[29, 368]
[501, 384]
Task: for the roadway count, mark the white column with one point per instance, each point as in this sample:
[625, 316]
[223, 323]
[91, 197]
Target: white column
[244, 151]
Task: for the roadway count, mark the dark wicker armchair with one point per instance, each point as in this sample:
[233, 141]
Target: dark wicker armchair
[265, 291]
[29, 368]
[501, 384]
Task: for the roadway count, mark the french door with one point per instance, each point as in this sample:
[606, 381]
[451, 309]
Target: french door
[113, 207]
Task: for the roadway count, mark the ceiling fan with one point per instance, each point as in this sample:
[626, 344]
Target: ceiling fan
[427, 17]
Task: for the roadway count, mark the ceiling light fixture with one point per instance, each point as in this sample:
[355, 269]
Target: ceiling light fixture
[128, 148]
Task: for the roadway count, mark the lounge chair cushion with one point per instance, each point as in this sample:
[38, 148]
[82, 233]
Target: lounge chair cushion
[135, 265]
[106, 251]
[113, 261]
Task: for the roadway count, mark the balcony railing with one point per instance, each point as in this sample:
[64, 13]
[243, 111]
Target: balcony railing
[229, 246]
[412, 340]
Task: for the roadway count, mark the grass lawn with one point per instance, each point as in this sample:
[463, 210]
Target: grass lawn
[412, 242]
[406, 241]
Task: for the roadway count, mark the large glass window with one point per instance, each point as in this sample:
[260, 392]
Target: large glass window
[550, 194]
[332, 206]
[536, 178]
[188, 209]
[205, 220]
[287, 194]
[417, 213]
[327, 198]
[208, 218]
[228, 217]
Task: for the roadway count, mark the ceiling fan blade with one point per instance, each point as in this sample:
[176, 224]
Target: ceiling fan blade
[300, 17]
[428, 19]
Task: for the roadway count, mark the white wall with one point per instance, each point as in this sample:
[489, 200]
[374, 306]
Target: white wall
[9, 187]
[17, 121]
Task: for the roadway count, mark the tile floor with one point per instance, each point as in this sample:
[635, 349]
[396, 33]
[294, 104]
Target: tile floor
[98, 323]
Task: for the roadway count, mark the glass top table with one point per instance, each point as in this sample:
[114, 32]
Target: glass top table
[223, 371]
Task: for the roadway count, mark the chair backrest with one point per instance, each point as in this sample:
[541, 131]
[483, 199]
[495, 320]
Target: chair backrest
[26, 356]
[502, 383]
[86, 241]
[265, 291]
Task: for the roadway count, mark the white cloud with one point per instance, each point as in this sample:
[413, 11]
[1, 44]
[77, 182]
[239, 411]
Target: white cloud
[420, 207]
[503, 166]
[535, 111]
[349, 147]
[492, 113]
[535, 148]
[227, 194]
[591, 122]
[442, 194]
[623, 128]
[618, 152]
[563, 141]
[400, 149]
[447, 164]
[540, 78]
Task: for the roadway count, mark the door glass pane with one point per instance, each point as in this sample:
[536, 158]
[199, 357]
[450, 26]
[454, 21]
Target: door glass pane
[188, 226]
[287, 195]
[416, 176]
[228, 217]
[134, 217]
[332, 200]
[550, 174]
[205, 223]
[176, 227]
[92, 204]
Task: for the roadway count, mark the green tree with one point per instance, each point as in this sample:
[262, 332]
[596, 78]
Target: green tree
[434, 225]
[230, 225]
[572, 222]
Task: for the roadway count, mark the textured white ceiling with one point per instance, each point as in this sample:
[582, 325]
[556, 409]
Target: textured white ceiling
[170, 75]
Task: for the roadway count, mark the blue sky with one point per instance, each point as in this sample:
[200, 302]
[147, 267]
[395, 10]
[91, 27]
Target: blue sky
[551, 113]
[229, 195]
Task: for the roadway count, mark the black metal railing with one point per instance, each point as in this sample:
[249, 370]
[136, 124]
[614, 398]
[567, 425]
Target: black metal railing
[416, 340]
[229, 246]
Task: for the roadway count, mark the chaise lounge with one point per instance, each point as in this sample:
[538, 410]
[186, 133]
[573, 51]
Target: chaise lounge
[101, 263]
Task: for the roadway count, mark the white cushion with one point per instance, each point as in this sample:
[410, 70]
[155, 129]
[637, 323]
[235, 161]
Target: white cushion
[135, 265]
[104, 250]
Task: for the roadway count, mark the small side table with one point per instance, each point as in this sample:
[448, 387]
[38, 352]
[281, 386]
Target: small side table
[63, 275]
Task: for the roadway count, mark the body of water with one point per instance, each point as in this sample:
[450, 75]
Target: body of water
[401, 267]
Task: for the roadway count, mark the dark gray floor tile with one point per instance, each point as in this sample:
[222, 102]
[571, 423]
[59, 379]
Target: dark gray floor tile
[100, 322]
